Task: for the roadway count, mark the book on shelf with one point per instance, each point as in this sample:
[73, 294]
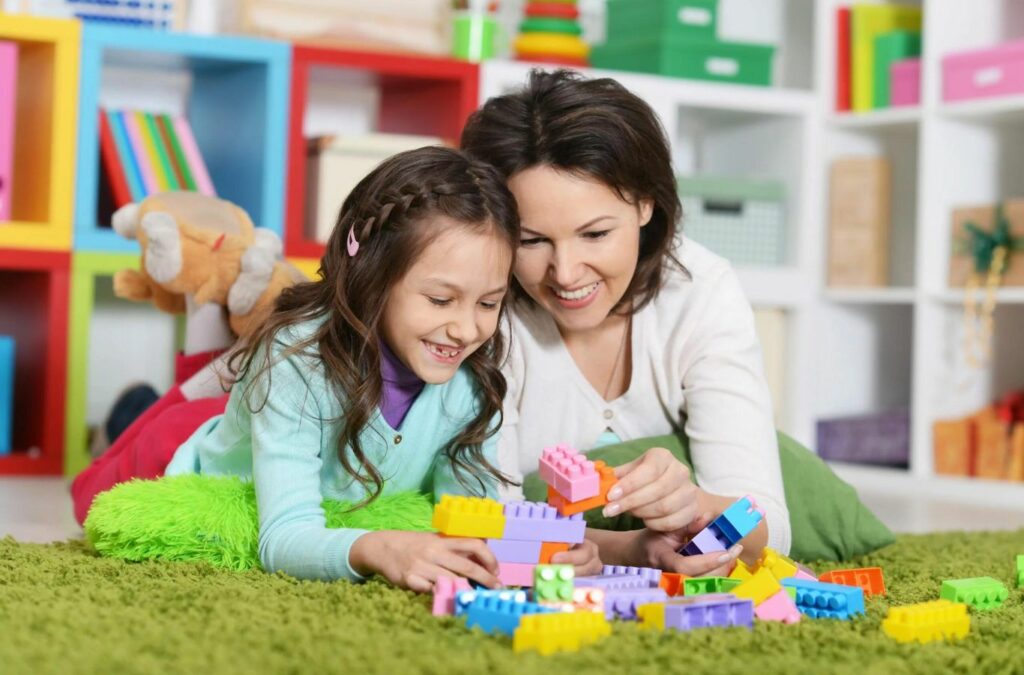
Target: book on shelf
[859, 212]
[8, 106]
[842, 59]
[868, 22]
[143, 153]
[6, 392]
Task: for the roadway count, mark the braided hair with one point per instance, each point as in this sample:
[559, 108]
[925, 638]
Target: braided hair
[391, 217]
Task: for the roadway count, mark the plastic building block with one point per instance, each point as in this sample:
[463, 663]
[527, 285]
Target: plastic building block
[553, 583]
[927, 622]
[465, 599]
[570, 472]
[705, 611]
[741, 571]
[445, 589]
[612, 582]
[979, 592]
[800, 574]
[653, 576]
[514, 551]
[705, 585]
[1020, 571]
[820, 600]
[779, 607]
[499, 615]
[567, 508]
[759, 587]
[780, 566]
[708, 540]
[588, 600]
[549, 548]
[740, 519]
[516, 574]
[469, 517]
[622, 603]
[868, 578]
[672, 583]
[537, 521]
[559, 632]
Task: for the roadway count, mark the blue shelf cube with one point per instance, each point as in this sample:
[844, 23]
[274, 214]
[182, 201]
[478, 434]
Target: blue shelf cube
[237, 107]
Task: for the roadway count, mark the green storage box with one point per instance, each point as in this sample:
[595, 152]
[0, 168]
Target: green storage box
[740, 219]
[736, 62]
[687, 19]
[890, 48]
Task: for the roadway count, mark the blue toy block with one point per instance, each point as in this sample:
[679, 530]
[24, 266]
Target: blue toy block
[6, 393]
[653, 576]
[537, 521]
[498, 615]
[820, 600]
[708, 540]
[463, 599]
[739, 520]
[513, 551]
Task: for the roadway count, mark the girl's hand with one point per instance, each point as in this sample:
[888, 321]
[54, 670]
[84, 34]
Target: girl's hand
[414, 560]
[657, 488]
[661, 550]
[583, 557]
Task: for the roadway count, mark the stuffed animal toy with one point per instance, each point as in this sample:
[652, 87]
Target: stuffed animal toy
[207, 248]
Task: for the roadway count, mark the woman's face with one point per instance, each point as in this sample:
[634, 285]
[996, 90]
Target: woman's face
[579, 246]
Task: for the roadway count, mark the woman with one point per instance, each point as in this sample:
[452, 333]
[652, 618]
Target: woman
[621, 329]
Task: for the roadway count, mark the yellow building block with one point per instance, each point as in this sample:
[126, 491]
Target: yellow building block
[741, 571]
[779, 565]
[927, 622]
[651, 615]
[469, 517]
[558, 632]
[759, 587]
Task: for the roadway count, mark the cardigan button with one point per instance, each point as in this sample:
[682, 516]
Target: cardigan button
[398, 438]
[608, 414]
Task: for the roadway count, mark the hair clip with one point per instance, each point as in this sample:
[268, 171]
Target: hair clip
[353, 245]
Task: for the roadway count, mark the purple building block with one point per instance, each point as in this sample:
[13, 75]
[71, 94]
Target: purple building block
[709, 611]
[708, 540]
[536, 521]
[652, 575]
[610, 582]
[515, 551]
[622, 603]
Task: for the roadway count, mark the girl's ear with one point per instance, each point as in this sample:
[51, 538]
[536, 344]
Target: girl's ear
[646, 208]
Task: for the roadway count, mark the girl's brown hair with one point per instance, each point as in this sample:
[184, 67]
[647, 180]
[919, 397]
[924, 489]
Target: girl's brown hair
[595, 128]
[391, 215]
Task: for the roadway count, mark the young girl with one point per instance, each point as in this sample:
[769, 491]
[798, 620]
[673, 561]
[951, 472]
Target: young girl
[381, 377]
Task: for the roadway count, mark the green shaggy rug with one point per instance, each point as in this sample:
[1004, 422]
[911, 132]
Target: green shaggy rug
[65, 610]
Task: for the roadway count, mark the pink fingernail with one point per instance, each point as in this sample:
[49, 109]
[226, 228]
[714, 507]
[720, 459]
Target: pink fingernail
[611, 510]
[615, 493]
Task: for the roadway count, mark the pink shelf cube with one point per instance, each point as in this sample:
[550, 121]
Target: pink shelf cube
[982, 73]
[905, 83]
[571, 474]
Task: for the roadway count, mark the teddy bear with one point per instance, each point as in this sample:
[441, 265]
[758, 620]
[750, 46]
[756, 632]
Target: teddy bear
[207, 250]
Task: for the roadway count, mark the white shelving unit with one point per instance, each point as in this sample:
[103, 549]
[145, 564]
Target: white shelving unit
[855, 351]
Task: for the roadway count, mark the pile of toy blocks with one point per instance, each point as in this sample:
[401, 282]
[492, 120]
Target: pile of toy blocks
[551, 33]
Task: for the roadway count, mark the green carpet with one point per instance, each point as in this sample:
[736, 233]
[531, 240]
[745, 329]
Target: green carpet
[64, 610]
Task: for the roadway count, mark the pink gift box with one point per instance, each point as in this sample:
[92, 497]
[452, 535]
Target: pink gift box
[905, 82]
[996, 71]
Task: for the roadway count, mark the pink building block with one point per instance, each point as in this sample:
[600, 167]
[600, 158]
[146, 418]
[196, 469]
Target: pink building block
[779, 607]
[515, 574]
[445, 589]
[571, 474]
[800, 574]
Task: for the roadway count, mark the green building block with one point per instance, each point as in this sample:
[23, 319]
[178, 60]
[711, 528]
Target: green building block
[1020, 571]
[979, 592]
[704, 585]
[553, 583]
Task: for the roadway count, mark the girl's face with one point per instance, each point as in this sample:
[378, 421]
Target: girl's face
[448, 303]
[579, 247]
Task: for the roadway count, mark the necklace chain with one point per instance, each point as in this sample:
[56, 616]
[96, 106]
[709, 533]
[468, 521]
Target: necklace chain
[618, 357]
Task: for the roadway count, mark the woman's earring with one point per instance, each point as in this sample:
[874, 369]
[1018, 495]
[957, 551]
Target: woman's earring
[353, 245]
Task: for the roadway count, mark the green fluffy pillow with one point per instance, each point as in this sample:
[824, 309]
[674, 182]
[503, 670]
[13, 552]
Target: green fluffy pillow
[828, 519]
[213, 519]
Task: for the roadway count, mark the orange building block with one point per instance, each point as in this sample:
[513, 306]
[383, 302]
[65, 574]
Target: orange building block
[567, 508]
[672, 583]
[868, 578]
[549, 548]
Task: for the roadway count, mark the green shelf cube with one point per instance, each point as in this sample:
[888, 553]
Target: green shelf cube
[734, 62]
[684, 19]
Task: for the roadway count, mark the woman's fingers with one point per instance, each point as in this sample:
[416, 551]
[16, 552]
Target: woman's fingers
[583, 557]
[679, 517]
[709, 564]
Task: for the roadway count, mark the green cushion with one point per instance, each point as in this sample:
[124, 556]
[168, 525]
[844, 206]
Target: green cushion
[213, 519]
[828, 519]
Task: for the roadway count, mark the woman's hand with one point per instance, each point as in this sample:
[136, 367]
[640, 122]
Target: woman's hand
[661, 550]
[414, 560]
[583, 557]
[657, 488]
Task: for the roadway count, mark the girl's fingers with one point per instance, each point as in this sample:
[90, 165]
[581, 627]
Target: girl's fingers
[419, 583]
[475, 548]
[464, 567]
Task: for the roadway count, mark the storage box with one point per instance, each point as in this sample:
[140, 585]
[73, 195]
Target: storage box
[859, 212]
[686, 19]
[961, 264]
[867, 21]
[740, 219]
[953, 446]
[905, 83]
[6, 393]
[890, 48]
[736, 62]
[996, 71]
[882, 438]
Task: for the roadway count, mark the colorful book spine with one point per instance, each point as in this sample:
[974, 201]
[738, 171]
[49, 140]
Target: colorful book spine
[195, 160]
[174, 154]
[842, 59]
[868, 21]
[124, 150]
[151, 156]
[6, 393]
[131, 124]
[8, 101]
[166, 169]
[110, 160]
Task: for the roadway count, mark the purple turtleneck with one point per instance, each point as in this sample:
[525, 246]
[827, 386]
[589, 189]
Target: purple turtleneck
[401, 387]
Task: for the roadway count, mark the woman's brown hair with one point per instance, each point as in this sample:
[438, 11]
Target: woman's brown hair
[595, 128]
[391, 214]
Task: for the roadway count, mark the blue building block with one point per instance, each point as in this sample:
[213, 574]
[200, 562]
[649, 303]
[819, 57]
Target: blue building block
[739, 520]
[497, 615]
[6, 393]
[820, 600]
[463, 599]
